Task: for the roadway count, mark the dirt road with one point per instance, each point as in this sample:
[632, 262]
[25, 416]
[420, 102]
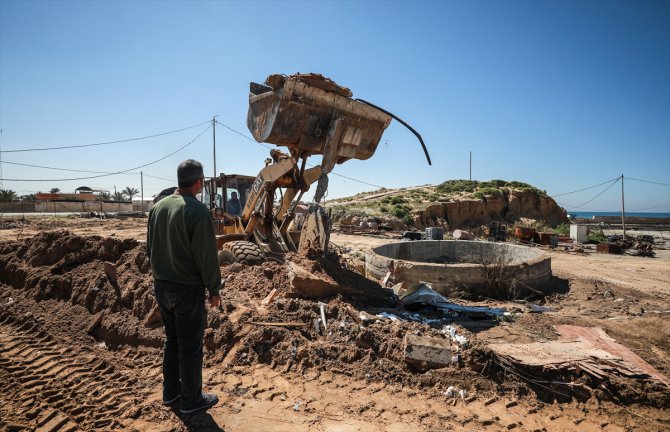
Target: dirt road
[79, 351]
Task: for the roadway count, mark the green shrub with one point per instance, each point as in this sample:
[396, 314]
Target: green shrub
[487, 191]
[400, 211]
[454, 186]
[398, 200]
[384, 209]
[596, 237]
[562, 229]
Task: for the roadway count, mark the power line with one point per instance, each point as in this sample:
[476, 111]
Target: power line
[650, 208]
[83, 171]
[605, 190]
[53, 168]
[648, 181]
[581, 190]
[123, 171]
[159, 178]
[308, 164]
[243, 135]
[104, 142]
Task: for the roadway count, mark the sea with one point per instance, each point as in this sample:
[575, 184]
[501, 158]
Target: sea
[589, 215]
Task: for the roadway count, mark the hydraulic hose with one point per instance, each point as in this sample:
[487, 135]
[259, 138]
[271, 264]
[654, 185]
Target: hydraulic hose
[425, 150]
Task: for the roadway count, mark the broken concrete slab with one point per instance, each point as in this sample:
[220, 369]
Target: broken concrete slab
[427, 352]
[308, 285]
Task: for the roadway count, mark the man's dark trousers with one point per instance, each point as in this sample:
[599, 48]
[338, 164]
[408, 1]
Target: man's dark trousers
[184, 316]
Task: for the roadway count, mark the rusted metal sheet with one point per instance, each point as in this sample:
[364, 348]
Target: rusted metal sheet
[608, 248]
[547, 239]
[601, 340]
[524, 234]
[585, 349]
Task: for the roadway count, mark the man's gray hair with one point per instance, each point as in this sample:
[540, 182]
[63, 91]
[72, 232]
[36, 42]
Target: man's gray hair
[188, 172]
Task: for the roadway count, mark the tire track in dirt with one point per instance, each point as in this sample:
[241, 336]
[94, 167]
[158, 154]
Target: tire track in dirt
[58, 389]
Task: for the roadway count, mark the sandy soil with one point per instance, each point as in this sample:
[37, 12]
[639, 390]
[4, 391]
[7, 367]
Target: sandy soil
[80, 346]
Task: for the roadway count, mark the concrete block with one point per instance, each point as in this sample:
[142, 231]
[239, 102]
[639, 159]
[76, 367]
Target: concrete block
[428, 351]
[309, 285]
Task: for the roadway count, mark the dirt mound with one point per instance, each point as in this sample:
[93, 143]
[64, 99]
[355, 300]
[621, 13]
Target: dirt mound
[108, 282]
[61, 265]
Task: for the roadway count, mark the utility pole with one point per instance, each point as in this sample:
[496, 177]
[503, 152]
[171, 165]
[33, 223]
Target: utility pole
[214, 142]
[142, 191]
[1, 181]
[470, 165]
[623, 211]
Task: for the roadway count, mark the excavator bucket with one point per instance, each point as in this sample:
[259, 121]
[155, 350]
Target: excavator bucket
[312, 115]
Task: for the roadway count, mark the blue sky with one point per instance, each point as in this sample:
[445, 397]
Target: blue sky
[560, 94]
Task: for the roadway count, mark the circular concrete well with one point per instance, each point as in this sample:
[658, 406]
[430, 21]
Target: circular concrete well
[462, 268]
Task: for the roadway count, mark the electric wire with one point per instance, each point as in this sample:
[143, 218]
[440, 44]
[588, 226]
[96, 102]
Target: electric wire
[104, 142]
[159, 178]
[581, 190]
[649, 208]
[122, 171]
[648, 181]
[308, 164]
[53, 168]
[83, 171]
[602, 192]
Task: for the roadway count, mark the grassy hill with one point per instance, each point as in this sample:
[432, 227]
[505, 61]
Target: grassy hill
[404, 203]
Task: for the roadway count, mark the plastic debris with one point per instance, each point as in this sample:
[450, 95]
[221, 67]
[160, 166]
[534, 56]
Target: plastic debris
[388, 316]
[423, 293]
[451, 391]
[451, 332]
[322, 307]
[538, 309]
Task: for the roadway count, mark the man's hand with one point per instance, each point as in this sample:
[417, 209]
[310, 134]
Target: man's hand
[215, 300]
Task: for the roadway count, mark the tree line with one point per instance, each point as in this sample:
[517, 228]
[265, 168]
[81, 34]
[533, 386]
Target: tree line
[127, 194]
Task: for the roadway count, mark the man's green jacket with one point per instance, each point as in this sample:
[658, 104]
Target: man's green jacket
[181, 245]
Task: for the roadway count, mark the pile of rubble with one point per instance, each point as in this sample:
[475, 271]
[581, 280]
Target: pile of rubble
[635, 246]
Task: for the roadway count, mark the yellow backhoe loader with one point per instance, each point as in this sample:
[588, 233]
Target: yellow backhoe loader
[310, 115]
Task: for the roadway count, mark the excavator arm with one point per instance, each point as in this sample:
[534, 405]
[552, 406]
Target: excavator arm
[310, 115]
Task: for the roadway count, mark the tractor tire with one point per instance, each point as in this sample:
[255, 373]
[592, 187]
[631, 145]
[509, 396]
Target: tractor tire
[226, 257]
[245, 252]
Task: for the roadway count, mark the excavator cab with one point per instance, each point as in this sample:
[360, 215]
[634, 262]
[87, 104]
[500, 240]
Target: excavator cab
[225, 197]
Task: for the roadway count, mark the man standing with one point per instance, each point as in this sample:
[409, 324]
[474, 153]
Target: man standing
[182, 251]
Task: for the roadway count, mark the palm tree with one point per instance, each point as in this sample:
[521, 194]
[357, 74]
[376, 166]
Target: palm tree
[29, 197]
[7, 195]
[54, 190]
[105, 196]
[130, 192]
[119, 196]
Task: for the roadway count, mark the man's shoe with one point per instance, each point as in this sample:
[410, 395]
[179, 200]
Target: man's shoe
[171, 401]
[207, 400]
